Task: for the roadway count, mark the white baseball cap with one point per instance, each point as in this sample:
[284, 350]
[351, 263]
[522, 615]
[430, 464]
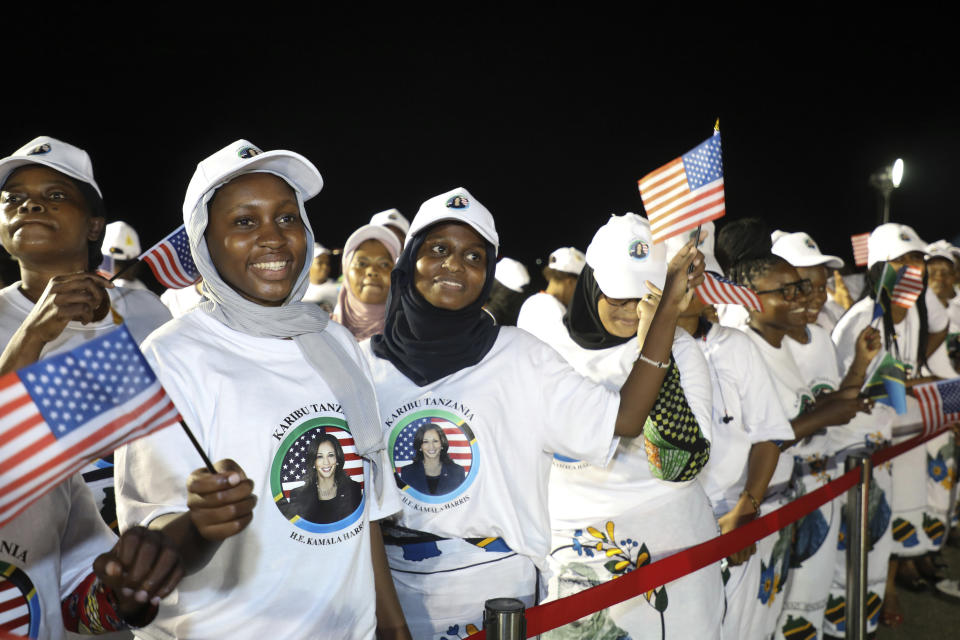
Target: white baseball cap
[456, 204]
[800, 250]
[391, 218]
[942, 249]
[512, 274]
[121, 241]
[50, 152]
[890, 241]
[319, 249]
[708, 234]
[242, 157]
[623, 257]
[373, 232]
[568, 260]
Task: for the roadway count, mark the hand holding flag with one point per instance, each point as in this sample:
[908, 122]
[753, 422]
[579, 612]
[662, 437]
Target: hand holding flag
[61, 412]
[885, 383]
[685, 192]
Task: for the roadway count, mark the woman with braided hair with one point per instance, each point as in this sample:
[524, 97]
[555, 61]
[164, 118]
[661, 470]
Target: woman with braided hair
[794, 577]
[646, 503]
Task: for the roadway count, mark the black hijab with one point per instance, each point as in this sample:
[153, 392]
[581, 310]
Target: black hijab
[582, 319]
[427, 343]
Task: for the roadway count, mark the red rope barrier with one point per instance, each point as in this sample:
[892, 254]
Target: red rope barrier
[557, 613]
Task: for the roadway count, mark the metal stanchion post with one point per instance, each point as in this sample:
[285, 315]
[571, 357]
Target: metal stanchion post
[858, 501]
[503, 619]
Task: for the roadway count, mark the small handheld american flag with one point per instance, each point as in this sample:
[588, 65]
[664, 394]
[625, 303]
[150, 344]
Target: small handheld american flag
[939, 403]
[685, 192]
[860, 252]
[59, 413]
[718, 290]
[908, 287]
[171, 261]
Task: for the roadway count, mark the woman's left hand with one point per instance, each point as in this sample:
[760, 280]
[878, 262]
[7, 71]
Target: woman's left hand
[684, 275]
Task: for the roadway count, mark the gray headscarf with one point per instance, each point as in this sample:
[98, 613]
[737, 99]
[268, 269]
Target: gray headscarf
[305, 323]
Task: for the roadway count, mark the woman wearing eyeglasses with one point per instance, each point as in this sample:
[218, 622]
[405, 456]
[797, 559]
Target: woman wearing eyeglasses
[743, 249]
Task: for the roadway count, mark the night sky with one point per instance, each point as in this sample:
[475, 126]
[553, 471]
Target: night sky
[547, 118]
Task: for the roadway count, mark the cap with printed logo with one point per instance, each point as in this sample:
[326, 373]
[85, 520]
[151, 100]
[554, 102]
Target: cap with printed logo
[121, 241]
[706, 244]
[242, 157]
[56, 154]
[943, 249]
[512, 274]
[568, 260]
[456, 204]
[623, 257]
[800, 250]
[391, 218]
[890, 241]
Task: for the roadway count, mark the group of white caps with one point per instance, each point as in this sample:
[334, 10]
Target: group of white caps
[622, 253]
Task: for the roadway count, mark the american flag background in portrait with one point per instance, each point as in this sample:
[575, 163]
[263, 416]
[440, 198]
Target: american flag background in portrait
[67, 409]
[859, 243]
[685, 192]
[459, 451]
[171, 260]
[295, 463]
[939, 403]
[19, 604]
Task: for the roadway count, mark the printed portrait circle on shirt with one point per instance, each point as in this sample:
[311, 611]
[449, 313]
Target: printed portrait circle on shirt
[434, 456]
[317, 477]
[19, 602]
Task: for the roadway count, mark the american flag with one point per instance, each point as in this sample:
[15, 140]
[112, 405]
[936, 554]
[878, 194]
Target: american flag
[19, 604]
[685, 192]
[67, 409]
[171, 261]
[859, 243]
[295, 463]
[718, 290]
[939, 403]
[908, 288]
[459, 450]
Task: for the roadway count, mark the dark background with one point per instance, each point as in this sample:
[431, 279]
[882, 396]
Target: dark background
[548, 117]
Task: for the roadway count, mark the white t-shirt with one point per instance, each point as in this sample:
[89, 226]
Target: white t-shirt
[324, 294]
[181, 301]
[257, 401]
[540, 315]
[745, 411]
[45, 553]
[504, 418]
[794, 394]
[817, 362]
[829, 314]
[937, 317]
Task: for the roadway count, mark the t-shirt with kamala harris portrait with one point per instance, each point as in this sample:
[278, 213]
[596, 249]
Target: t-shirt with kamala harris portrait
[297, 571]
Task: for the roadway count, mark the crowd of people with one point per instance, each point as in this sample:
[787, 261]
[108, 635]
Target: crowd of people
[398, 444]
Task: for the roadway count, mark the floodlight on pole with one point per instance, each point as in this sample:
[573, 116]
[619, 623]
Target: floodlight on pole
[885, 180]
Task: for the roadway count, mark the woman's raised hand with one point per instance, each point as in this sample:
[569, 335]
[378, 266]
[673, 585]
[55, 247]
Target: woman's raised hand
[78, 297]
[684, 275]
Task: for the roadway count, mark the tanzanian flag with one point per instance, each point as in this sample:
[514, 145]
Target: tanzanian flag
[888, 280]
[886, 383]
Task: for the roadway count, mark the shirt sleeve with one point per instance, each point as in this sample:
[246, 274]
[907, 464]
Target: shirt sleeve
[579, 414]
[763, 416]
[937, 319]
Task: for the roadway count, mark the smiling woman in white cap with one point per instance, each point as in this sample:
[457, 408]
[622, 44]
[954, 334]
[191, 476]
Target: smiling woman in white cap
[505, 401]
[260, 375]
[659, 508]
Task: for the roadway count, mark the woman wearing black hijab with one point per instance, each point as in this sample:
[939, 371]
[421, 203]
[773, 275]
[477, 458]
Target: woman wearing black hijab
[513, 401]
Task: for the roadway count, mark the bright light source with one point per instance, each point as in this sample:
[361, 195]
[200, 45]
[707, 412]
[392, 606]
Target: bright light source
[897, 174]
